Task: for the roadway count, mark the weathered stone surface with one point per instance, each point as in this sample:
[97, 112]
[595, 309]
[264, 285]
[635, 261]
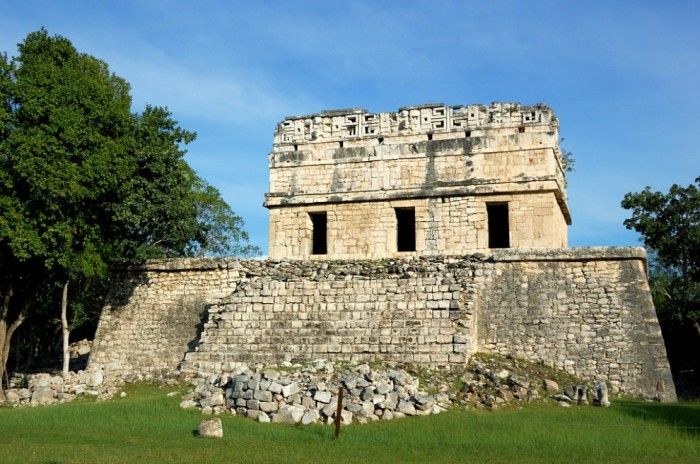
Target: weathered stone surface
[211, 428]
[43, 396]
[96, 379]
[291, 389]
[283, 417]
[262, 395]
[12, 397]
[323, 397]
[424, 158]
[256, 414]
[495, 308]
[188, 404]
[600, 394]
[275, 387]
[550, 386]
[406, 408]
[310, 417]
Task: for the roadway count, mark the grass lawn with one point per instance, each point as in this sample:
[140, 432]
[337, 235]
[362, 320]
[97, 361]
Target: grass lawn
[147, 426]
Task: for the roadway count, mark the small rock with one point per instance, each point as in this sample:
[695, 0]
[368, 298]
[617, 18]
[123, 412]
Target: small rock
[296, 411]
[122, 395]
[96, 379]
[550, 386]
[519, 381]
[383, 388]
[255, 415]
[600, 394]
[283, 417]
[12, 397]
[329, 410]
[504, 394]
[323, 397]
[275, 387]
[262, 395]
[345, 417]
[217, 399]
[268, 406]
[442, 398]
[211, 428]
[503, 374]
[310, 417]
[42, 396]
[406, 408]
[291, 389]
[570, 391]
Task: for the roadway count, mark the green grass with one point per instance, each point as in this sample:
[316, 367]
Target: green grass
[149, 427]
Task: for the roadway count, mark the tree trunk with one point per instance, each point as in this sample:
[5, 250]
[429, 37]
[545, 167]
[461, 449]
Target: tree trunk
[66, 329]
[6, 331]
[4, 313]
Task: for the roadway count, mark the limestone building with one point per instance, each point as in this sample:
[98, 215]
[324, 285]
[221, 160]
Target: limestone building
[473, 201]
[426, 180]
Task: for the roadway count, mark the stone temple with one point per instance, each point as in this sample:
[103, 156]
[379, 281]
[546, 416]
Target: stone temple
[427, 180]
[420, 237]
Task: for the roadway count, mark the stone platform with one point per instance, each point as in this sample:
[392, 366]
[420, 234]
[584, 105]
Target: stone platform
[587, 311]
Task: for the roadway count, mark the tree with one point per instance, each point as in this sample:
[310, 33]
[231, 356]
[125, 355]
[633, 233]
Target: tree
[670, 226]
[86, 183]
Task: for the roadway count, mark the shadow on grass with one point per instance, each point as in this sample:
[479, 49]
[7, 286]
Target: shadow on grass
[684, 416]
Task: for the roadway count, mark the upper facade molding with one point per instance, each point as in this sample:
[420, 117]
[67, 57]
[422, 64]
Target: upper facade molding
[357, 123]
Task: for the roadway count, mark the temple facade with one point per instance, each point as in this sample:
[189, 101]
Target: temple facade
[426, 180]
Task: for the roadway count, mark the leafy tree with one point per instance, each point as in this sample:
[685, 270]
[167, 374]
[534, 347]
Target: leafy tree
[86, 183]
[670, 226]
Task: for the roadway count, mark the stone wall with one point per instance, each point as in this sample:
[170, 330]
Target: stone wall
[587, 311]
[454, 224]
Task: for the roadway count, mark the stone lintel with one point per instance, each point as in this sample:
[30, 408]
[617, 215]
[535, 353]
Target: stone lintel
[465, 188]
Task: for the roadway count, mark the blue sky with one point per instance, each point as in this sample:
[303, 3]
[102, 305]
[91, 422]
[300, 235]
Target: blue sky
[623, 77]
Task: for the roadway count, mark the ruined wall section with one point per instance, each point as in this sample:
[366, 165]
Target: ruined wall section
[590, 314]
[153, 314]
[588, 311]
[402, 313]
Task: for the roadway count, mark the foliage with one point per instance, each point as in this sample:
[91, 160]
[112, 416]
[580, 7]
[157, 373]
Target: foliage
[148, 426]
[669, 224]
[85, 183]
[567, 158]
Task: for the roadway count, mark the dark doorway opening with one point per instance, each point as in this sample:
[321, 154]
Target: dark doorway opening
[405, 229]
[499, 232]
[319, 241]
